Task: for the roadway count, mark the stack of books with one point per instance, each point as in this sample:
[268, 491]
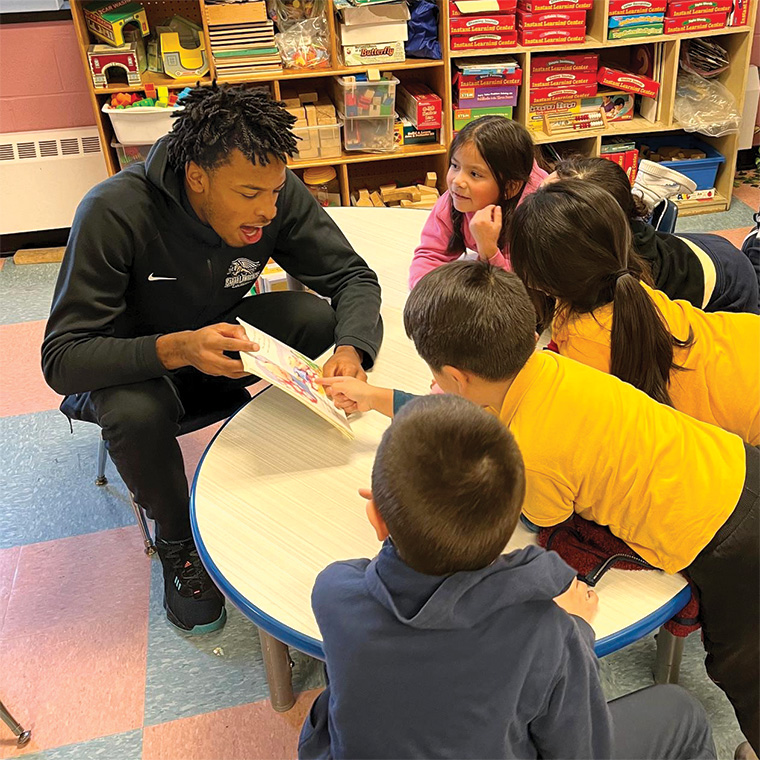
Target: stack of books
[242, 39]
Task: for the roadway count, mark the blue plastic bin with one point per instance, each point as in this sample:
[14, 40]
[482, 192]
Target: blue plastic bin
[701, 170]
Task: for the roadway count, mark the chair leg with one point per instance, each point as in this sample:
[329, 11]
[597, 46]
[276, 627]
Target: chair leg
[142, 521]
[101, 479]
[18, 731]
[669, 652]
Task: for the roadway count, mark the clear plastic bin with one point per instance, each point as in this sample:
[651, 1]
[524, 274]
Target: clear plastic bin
[317, 142]
[131, 154]
[369, 135]
[365, 100]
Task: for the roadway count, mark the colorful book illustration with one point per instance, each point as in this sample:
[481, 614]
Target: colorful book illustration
[293, 373]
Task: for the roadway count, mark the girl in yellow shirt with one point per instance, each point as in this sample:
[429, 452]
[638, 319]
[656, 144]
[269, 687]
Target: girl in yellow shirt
[572, 242]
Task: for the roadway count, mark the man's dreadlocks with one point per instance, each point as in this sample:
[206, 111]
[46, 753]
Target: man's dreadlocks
[216, 120]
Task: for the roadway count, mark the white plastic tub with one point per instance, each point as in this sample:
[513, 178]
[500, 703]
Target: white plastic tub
[141, 125]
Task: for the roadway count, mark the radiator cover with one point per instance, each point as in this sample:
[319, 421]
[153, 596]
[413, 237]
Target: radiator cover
[44, 175]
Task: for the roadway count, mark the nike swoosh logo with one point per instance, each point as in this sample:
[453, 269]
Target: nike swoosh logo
[153, 278]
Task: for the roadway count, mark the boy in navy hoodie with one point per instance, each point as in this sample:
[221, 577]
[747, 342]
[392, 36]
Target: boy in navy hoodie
[443, 647]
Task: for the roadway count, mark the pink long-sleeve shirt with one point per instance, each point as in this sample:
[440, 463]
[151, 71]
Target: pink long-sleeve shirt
[431, 252]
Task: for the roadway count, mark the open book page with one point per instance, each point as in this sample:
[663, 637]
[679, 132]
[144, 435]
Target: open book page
[293, 372]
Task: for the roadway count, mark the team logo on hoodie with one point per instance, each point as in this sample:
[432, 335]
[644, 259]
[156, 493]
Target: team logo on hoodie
[241, 272]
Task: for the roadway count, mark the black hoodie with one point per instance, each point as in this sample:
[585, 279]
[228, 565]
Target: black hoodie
[140, 264]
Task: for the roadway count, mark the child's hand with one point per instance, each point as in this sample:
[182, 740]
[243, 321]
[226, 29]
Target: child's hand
[349, 393]
[485, 227]
[580, 600]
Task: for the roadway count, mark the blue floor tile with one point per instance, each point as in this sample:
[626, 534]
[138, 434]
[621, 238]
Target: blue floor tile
[186, 677]
[47, 481]
[126, 746]
[26, 291]
[739, 215]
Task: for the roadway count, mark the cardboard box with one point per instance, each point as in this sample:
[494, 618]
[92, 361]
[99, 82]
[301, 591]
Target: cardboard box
[619, 79]
[541, 64]
[635, 19]
[514, 79]
[483, 41]
[487, 72]
[408, 134]
[573, 36]
[695, 23]
[380, 13]
[617, 106]
[536, 113]
[536, 6]
[419, 104]
[368, 55]
[485, 97]
[653, 30]
[106, 20]
[628, 160]
[463, 116]
[740, 15]
[626, 7]
[541, 95]
[681, 8]
[478, 24]
[560, 78]
[371, 34]
[481, 7]
[551, 19]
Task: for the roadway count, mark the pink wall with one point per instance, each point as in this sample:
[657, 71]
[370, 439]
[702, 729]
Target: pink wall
[42, 81]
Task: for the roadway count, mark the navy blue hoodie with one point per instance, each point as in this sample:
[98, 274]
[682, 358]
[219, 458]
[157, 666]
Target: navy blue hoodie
[473, 665]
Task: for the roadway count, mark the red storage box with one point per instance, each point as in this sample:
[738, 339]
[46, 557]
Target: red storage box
[688, 8]
[573, 36]
[695, 23]
[419, 104]
[480, 24]
[740, 16]
[541, 95]
[629, 7]
[542, 64]
[537, 6]
[620, 79]
[552, 19]
[561, 78]
[481, 7]
[483, 41]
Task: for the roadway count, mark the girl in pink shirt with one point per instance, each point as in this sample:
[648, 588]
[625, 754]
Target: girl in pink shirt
[491, 169]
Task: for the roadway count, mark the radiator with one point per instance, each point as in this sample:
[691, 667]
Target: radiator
[44, 175]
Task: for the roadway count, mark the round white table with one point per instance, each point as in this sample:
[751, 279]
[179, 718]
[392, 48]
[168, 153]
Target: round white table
[274, 499]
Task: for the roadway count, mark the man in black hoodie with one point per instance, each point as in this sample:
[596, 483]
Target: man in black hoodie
[158, 265]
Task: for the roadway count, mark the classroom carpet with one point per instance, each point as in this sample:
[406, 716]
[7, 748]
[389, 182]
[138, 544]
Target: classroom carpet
[87, 659]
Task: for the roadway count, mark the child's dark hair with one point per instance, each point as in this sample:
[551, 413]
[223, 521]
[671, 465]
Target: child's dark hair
[571, 241]
[449, 482]
[610, 176]
[472, 316]
[215, 120]
[507, 149]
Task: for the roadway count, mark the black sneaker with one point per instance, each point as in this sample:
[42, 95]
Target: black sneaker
[191, 600]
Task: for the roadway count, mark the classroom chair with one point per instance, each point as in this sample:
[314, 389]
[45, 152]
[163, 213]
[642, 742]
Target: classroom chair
[664, 216]
[215, 409]
[22, 736]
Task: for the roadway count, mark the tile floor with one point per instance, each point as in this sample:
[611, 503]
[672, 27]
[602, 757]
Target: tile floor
[87, 660]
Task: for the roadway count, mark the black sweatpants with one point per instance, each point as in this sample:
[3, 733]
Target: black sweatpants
[727, 575]
[140, 421]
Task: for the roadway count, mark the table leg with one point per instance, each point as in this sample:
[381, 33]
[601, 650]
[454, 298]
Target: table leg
[278, 666]
[669, 652]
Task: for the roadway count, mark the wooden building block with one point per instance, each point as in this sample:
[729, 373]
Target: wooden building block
[376, 199]
[38, 256]
[311, 115]
[364, 198]
[425, 190]
[308, 97]
[431, 179]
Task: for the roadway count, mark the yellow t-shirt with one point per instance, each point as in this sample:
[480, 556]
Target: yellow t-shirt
[721, 380]
[595, 445]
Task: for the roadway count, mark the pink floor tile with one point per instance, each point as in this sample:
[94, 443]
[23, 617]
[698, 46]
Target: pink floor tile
[85, 579]
[735, 236]
[750, 195]
[252, 731]
[193, 445]
[8, 565]
[22, 387]
[75, 682]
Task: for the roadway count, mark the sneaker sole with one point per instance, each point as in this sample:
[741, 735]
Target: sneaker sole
[197, 630]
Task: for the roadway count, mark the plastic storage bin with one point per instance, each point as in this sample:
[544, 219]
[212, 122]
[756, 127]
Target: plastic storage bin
[140, 126]
[365, 100]
[701, 170]
[370, 135]
[317, 142]
[131, 154]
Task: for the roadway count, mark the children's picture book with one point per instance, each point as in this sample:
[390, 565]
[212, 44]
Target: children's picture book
[293, 373]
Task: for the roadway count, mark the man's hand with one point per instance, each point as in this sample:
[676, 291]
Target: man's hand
[204, 349]
[485, 227]
[345, 362]
[580, 600]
